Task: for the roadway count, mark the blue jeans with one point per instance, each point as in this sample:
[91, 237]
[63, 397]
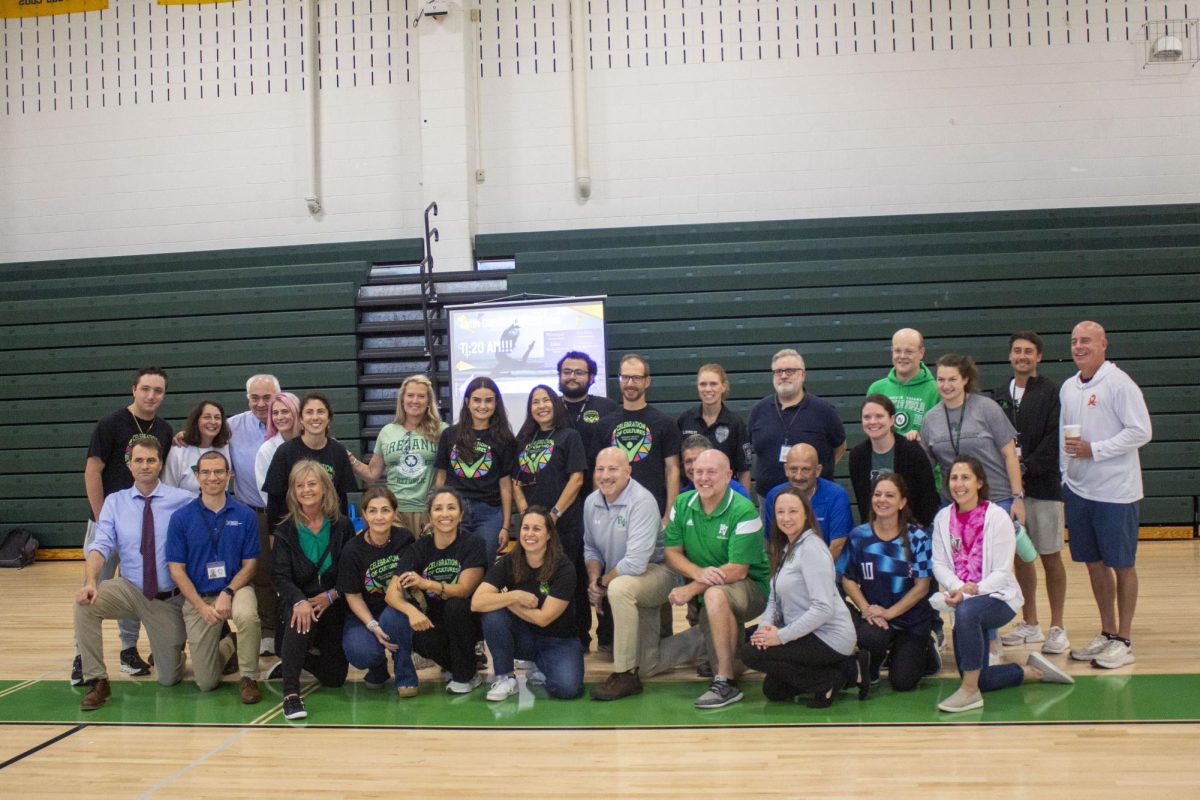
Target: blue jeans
[483, 520]
[364, 651]
[974, 619]
[559, 659]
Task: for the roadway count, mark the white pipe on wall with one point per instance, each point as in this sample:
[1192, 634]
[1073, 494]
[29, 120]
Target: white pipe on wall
[313, 195]
[579, 99]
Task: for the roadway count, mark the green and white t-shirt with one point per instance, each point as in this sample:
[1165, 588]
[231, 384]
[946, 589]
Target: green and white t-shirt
[408, 461]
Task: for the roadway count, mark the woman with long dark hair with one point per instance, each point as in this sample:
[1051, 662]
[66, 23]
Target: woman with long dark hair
[205, 429]
[805, 643]
[887, 577]
[476, 456]
[551, 463]
[525, 600]
[973, 547]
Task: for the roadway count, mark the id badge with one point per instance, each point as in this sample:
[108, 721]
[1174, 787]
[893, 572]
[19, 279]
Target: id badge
[955, 543]
[216, 570]
[783, 451]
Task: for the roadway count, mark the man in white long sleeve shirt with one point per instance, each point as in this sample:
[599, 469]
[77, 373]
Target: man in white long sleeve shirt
[623, 552]
[1103, 424]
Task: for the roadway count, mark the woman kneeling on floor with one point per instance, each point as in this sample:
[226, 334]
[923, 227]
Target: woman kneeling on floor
[429, 598]
[973, 547]
[525, 599]
[308, 545]
[806, 643]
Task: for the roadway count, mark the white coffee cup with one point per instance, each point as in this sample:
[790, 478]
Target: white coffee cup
[1072, 431]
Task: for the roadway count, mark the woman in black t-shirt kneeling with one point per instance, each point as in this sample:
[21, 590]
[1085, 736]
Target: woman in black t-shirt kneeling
[525, 599]
[429, 597]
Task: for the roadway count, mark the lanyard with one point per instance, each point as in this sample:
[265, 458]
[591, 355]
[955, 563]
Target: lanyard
[582, 408]
[788, 553]
[962, 420]
[786, 428]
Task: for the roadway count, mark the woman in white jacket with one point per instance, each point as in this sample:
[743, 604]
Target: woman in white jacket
[973, 547]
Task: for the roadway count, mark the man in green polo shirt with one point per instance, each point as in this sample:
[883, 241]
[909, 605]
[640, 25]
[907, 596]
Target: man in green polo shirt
[714, 540]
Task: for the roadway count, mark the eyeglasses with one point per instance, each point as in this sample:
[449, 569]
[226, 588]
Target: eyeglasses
[211, 473]
[786, 372]
[574, 373]
[904, 351]
[631, 378]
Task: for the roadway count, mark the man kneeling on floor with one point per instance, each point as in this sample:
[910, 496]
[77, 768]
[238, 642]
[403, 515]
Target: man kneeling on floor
[714, 540]
[623, 551]
[212, 550]
[133, 522]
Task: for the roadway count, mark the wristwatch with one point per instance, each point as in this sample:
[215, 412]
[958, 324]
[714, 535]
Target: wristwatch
[228, 591]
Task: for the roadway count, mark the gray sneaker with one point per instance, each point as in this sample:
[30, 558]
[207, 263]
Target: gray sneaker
[720, 694]
[1094, 648]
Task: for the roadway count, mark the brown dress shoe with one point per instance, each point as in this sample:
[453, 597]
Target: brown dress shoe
[250, 692]
[97, 695]
[618, 685]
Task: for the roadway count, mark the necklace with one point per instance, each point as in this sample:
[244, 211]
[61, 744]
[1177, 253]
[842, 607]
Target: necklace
[138, 424]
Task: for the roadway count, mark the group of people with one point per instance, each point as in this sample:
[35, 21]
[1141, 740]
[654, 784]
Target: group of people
[624, 511]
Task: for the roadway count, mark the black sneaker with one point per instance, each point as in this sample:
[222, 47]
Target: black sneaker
[275, 673]
[293, 707]
[77, 671]
[132, 663]
[704, 670]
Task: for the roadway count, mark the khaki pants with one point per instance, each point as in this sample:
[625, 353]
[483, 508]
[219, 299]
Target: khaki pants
[636, 601]
[746, 601]
[415, 521]
[210, 651]
[118, 598]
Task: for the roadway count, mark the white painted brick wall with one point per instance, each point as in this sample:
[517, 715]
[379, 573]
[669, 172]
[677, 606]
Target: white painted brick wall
[784, 133]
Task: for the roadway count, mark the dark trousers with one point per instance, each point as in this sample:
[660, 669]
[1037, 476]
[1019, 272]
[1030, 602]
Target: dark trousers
[451, 641]
[800, 666]
[330, 665]
[909, 653]
[572, 542]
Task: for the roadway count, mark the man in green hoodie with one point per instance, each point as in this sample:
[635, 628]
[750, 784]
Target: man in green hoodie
[910, 385]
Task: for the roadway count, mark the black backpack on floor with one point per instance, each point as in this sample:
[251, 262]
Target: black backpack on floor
[19, 549]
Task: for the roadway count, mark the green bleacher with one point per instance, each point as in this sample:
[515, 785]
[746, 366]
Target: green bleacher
[836, 289]
[75, 331]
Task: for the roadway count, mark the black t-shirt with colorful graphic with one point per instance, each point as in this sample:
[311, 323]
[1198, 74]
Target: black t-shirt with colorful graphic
[477, 475]
[366, 569]
[648, 437]
[111, 441]
[445, 564]
[561, 585]
[585, 416]
[545, 463]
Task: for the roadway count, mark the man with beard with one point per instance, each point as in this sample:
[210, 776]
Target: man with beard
[789, 417]
[647, 436]
[576, 374]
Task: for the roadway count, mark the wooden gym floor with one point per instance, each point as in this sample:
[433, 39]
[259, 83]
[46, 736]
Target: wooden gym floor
[1133, 732]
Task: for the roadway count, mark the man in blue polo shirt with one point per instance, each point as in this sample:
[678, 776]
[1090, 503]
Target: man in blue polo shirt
[789, 417]
[830, 503]
[212, 544]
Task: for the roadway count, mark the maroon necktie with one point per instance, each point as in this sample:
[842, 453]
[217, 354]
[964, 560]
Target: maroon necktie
[149, 561]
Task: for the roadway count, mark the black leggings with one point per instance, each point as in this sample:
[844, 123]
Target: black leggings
[451, 640]
[909, 653]
[330, 665]
[800, 666]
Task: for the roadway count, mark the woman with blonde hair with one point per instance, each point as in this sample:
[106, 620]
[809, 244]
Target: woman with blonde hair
[308, 545]
[405, 449]
[715, 422]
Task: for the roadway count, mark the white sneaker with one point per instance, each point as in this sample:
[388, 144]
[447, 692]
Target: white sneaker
[1056, 641]
[1117, 654]
[464, 687]
[1094, 648]
[1023, 633]
[535, 678]
[502, 688]
[520, 663]
[1050, 672]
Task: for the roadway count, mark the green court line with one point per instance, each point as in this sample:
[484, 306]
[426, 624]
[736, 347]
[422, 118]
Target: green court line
[1107, 698]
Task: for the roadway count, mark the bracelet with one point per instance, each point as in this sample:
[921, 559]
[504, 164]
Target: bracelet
[373, 624]
[329, 596]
